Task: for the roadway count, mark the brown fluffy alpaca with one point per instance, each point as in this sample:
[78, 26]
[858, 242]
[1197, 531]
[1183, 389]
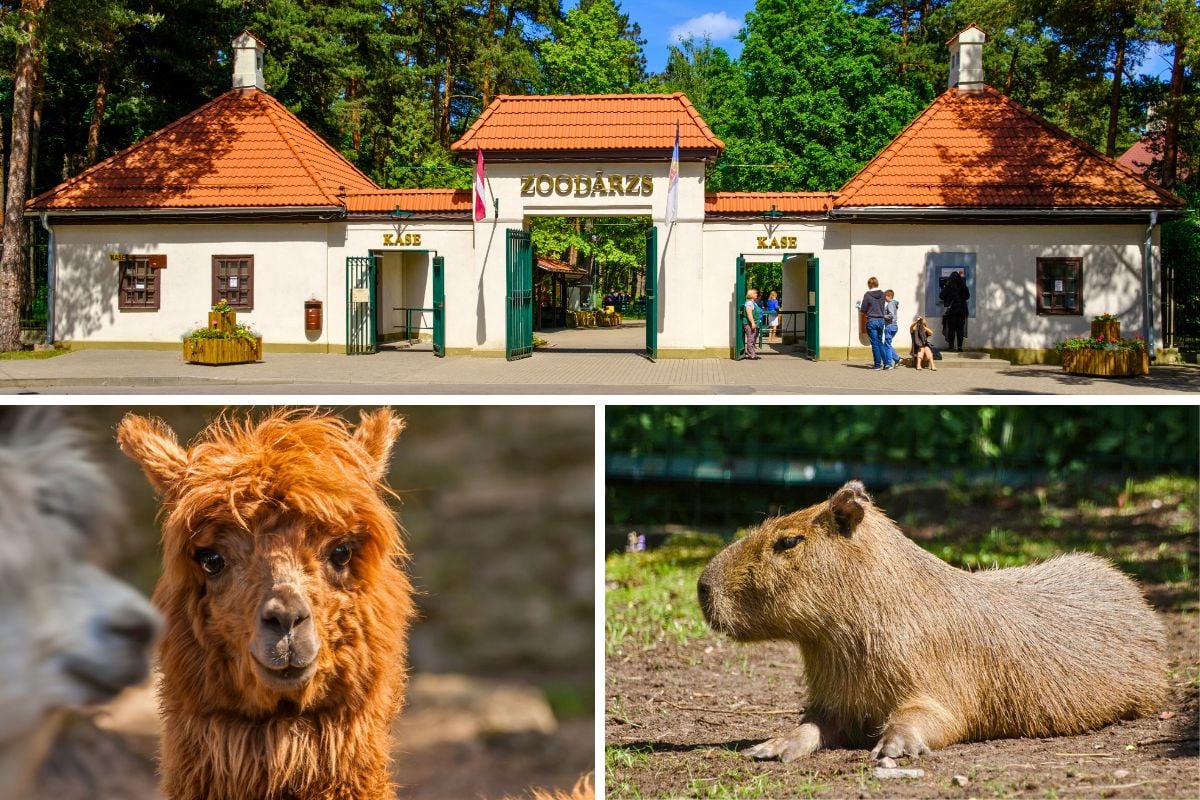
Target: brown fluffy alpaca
[286, 603]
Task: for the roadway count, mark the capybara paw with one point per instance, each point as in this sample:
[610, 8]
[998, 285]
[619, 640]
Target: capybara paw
[898, 741]
[801, 742]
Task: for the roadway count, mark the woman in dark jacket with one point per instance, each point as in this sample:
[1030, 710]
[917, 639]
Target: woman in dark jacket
[954, 297]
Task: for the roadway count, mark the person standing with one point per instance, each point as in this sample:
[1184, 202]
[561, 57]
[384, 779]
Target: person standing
[891, 308]
[751, 319]
[872, 307]
[954, 297]
[773, 313]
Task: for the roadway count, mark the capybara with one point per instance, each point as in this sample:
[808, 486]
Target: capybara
[904, 650]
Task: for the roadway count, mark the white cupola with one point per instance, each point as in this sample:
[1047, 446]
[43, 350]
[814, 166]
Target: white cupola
[966, 59]
[248, 61]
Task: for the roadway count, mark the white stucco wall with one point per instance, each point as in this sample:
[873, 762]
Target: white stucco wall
[289, 267]
[1006, 270]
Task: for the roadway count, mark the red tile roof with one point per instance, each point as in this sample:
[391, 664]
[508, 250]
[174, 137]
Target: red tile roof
[556, 124]
[242, 149]
[560, 267]
[763, 202]
[415, 200]
[982, 150]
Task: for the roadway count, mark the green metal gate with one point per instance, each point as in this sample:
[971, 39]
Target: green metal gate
[519, 333]
[739, 301]
[360, 306]
[652, 293]
[812, 333]
[439, 306]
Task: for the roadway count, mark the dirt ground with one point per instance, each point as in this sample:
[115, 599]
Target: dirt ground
[678, 716]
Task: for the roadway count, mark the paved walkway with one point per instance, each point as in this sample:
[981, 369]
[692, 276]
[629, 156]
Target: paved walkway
[578, 362]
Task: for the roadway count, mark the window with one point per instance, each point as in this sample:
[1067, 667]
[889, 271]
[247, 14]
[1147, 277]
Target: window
[140, 277]
[233, 281]
[1059, 281]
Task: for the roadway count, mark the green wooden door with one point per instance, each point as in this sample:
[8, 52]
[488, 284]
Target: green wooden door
[519, 333]
[360, 306]
[652, 293]
[439, 306]
[739, 301]
[812, 329]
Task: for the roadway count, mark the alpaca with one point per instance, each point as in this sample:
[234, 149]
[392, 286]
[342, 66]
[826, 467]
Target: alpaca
[70, 634]
[287, 605]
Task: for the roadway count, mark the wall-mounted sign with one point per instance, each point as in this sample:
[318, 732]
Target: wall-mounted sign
[154, 261]
[776, 242]
[401, 239]
[597, 185]
[360, 295]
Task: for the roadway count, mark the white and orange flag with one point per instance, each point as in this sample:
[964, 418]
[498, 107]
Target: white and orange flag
[480, 187]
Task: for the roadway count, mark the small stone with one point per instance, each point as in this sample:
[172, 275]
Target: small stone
[1120, 774]
[887, 763]
[960, 780]
[1070, 773]
[885, 774]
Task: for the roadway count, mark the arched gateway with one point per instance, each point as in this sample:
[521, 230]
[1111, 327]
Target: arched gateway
[240, 201]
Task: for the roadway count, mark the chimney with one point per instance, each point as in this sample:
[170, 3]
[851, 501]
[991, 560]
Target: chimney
[966, 59]
[248, 62]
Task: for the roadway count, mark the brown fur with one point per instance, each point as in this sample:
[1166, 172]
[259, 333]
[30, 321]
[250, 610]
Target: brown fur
[274, 497]
[582, 790]
[901, 647]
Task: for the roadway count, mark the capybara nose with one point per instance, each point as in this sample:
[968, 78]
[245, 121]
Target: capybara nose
[284, 611]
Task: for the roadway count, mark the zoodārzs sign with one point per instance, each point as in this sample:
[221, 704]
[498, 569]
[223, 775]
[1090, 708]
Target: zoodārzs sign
[597, 185]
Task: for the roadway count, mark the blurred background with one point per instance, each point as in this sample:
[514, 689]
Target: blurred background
[498, 506]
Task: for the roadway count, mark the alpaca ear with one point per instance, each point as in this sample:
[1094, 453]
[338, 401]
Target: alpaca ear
[152, 444]
[848, 506]
[377, 433]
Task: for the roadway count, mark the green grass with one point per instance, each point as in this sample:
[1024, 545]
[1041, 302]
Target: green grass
[26, 355]
[568, 700]
[653, 598]
[740, 783]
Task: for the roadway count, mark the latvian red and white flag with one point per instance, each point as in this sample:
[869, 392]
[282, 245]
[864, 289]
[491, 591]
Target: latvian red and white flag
[673, 181]
[480, 187]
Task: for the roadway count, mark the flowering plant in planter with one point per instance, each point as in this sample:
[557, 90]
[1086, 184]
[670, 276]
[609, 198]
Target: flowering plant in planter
[1105, 356]
[223, 341]
[1105, 318]
[1113, 344]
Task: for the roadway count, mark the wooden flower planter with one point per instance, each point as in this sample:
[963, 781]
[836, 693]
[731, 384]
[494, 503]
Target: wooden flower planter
[222, 351]
[1106, 329]
[222, 320]
[1106, 363]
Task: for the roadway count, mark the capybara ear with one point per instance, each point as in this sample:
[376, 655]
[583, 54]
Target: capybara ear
[153, 445]
[377, 433]
[847, 507]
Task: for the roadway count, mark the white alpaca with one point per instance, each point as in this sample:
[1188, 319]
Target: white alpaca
[70, 635]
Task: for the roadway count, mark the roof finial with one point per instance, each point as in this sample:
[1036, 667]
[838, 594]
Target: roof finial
[248, 61]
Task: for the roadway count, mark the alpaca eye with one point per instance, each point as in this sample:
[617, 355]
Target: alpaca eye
[787, 543]
[210, 561]
[340, 556]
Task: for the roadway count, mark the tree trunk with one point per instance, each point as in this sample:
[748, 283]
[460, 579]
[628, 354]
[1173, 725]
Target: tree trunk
[1012, 68]
[1170, 162]
[24, 78]
[35, 141]
[98, 104]
[447, 90]
[1114, 104]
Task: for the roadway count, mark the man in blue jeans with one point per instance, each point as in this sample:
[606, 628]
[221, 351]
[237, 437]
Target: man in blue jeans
[872, 307]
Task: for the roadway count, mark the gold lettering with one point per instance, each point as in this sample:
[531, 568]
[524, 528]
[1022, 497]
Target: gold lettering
[562, 184]
[416, 238]
[598, 185]
[791, 242]
[647, 185]
[545, 185]
[762, 242]
[633, 184]
[583, 185]
[614, 184]
[526, 186]
[389, 239]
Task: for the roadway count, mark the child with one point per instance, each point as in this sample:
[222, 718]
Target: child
[921, 350]
[773, 313]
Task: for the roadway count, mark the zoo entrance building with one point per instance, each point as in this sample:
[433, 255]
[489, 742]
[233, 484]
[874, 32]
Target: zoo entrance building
[240, 201]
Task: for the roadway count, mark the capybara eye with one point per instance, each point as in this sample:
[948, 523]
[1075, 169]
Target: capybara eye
[210, 561]
[340, 555]
[787, 543]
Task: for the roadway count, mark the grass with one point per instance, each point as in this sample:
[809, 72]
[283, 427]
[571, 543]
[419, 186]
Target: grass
[652, 598]
[744, 784]
[27, 355]
[570, 701]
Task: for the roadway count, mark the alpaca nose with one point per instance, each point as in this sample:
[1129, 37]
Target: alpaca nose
[140, 629]
[284, 611]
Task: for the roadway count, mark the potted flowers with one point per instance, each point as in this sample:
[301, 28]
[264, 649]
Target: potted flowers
[224, 341]
[1105, 356]
[1106, 326]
